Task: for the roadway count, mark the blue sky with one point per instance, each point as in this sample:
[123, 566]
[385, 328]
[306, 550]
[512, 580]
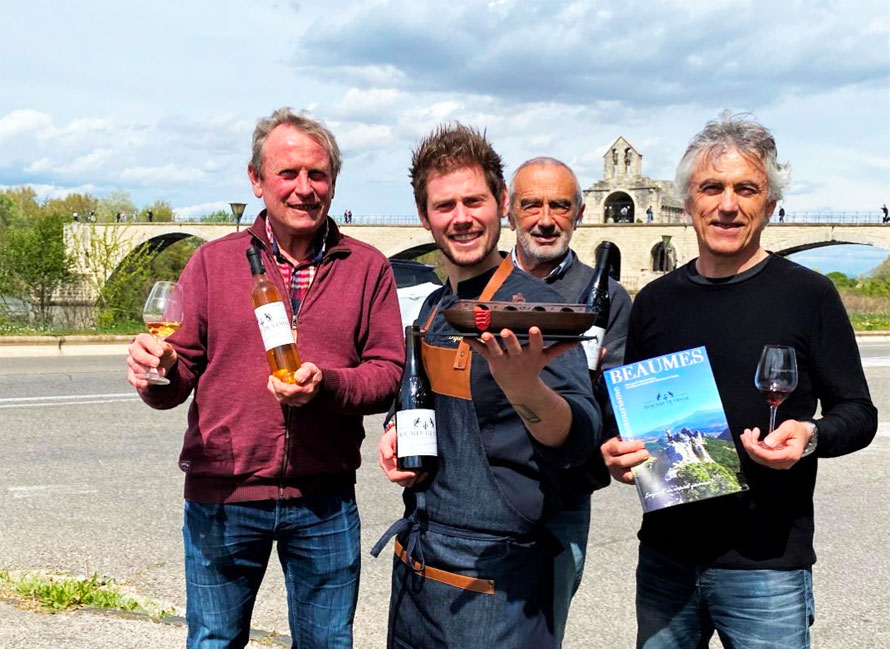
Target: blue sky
[159, 99]
[851, 260]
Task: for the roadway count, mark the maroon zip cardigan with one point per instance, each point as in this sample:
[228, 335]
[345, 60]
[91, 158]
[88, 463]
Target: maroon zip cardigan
[240, 444]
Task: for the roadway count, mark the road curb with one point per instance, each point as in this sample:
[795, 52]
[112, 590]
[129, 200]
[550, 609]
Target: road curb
[59, 341]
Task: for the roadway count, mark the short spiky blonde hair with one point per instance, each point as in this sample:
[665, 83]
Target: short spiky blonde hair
[451, 147]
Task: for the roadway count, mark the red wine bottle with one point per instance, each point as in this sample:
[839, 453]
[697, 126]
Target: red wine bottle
[598, 303]
[416, 447]
[278, 338]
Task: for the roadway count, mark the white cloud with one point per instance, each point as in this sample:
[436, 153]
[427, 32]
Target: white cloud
[40, 166]
[168, 173]
[23, 121]
[170, 117]
[676, 56]
[190, 212]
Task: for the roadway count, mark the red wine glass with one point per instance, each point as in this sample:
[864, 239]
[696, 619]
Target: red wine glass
[776, 377]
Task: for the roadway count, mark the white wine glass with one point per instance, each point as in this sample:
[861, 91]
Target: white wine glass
[776, 377]
[162, 315]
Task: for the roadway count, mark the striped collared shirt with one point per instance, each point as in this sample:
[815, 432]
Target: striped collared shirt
[554, 274]
[298, 277]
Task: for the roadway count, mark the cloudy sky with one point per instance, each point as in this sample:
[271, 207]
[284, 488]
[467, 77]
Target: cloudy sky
[160, 98]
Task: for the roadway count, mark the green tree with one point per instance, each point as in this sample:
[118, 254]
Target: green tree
[169, 263]
[840, 280]
[80, 204]
[34, 263]
[114, 203]
[10, 212]
[882, 272]
[161, 212]
[26, 199]
[219, 216]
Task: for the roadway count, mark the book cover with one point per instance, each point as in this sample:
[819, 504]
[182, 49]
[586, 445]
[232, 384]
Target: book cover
[671, 403]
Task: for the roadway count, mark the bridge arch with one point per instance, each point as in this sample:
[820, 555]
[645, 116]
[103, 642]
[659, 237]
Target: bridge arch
[799, 246]
[634, 241]
[614, 203]
[154, 245]
[663, 256]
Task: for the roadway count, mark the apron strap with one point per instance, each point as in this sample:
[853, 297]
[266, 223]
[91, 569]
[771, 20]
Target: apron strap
[414, 546]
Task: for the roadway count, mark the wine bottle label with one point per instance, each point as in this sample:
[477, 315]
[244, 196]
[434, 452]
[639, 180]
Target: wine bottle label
[274, 325]
[592, 347]
[416, 432]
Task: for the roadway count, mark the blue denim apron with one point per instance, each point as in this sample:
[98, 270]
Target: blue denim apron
[464, 587]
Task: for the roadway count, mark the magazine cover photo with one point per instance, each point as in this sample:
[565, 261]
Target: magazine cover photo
[671, 403]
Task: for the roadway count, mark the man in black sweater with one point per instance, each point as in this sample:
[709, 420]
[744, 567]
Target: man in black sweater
[741, 564]
[545, 208]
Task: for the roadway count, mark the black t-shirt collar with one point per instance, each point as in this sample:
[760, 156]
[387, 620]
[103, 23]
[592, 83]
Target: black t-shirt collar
[694, 276]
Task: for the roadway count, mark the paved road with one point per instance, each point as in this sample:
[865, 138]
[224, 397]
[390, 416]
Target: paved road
[90, 484]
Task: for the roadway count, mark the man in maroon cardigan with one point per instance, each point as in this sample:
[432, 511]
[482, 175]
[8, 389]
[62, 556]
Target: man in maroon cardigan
[266, 460]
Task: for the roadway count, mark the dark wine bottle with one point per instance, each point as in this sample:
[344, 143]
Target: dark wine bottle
[278, 337]
[416, 447]
[599, 303]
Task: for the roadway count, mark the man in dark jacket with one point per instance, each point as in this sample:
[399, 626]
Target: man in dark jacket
[265, 460]
[545, 208]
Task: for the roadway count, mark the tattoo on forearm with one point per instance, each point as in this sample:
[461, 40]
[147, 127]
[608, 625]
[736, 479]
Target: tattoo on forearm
[527, 413]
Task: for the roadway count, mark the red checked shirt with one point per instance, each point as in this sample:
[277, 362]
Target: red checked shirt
[298, 277]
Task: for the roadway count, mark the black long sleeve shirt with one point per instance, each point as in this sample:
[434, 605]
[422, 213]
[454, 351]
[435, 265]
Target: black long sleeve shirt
[777, 302]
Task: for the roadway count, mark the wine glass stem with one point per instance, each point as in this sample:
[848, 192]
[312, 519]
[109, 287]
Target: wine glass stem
[153, 371]
[772, 418]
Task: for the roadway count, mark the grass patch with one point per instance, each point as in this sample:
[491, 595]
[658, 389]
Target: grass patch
[13, 328]
[61, 592]
[870, 321]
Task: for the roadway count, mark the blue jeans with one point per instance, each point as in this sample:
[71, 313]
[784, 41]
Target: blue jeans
[571, 526]
[679, 606]
[227, 549]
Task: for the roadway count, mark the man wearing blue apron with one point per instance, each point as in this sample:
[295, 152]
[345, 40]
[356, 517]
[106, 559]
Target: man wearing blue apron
[473, 562]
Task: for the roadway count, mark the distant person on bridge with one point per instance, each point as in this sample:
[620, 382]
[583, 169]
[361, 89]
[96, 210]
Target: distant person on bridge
[271, 463]
[545, 208]
[742, 564]
[886, 217]
[473, 564]
[781, 215]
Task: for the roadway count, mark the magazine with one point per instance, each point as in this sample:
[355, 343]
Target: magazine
[671, 403]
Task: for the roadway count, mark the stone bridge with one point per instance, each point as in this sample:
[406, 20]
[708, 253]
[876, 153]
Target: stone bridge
[646, 249]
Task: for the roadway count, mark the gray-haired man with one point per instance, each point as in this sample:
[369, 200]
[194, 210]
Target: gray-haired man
[741, 564]
[267, 462]
[545, 209]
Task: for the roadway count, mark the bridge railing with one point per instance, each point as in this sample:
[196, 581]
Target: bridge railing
[831, 218]
[820, 218]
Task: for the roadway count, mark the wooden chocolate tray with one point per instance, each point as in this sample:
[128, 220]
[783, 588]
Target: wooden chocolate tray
[553, 319]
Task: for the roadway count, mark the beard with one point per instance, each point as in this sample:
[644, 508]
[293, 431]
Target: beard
[541, 253]
[471, 258]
